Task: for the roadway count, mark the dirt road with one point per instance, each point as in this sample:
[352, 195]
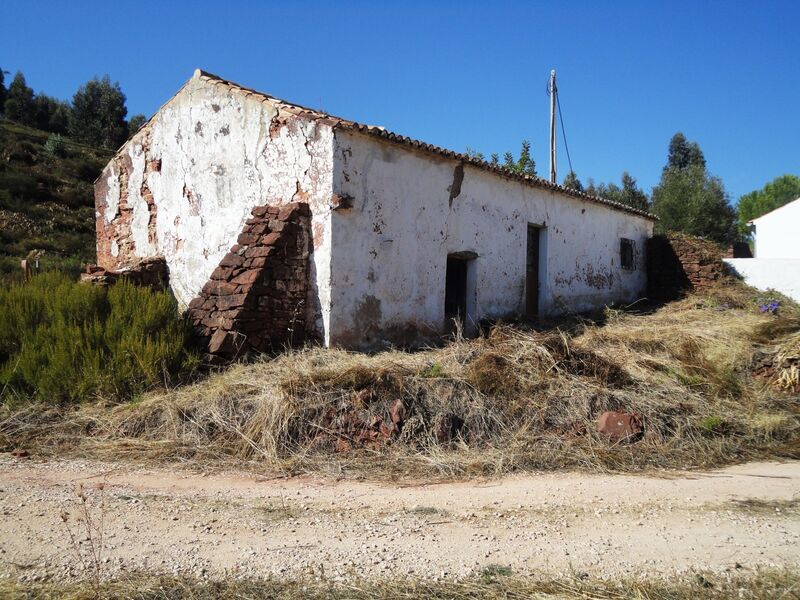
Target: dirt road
[548, 524]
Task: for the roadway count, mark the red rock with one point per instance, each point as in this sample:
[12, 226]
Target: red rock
[271, 239]
[231, 260]
[620, 426]
[364, 397]
[246, 239]
[257, 252]
[232, 301]
[246, 278]
[398, 412]
[221, 343]
[219, 288]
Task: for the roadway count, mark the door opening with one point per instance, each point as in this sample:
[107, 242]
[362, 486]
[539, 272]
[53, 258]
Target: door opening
[459, 294]
[532, 273]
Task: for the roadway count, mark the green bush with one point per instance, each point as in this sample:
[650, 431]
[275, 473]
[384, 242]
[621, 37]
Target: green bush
[54, 146]
[62, 341]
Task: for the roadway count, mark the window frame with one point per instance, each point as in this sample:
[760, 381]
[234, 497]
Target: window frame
[627, 254]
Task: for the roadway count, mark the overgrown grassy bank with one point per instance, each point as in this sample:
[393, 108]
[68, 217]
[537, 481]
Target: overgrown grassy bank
[491, 585]
[513, 400]
[46, 199]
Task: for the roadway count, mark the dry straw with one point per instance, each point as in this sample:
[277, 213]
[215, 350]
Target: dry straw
[515, 399]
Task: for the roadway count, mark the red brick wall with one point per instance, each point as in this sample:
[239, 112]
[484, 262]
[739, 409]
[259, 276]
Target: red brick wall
[678, 263]
[255, 299]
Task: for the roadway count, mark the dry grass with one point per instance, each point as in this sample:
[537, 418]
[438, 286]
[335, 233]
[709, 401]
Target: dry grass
[516, 399]
[495, 584]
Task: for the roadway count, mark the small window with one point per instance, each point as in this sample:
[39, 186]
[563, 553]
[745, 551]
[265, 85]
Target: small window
[626, 253]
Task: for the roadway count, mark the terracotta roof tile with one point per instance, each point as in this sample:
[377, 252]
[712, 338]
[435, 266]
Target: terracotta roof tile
[381, 132]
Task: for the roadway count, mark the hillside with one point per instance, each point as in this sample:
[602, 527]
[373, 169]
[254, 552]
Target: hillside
[46, 198]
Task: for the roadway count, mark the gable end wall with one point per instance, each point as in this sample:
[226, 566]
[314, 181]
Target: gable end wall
[184, 186]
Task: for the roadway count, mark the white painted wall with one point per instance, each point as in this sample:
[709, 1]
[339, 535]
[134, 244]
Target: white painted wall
[780, 274]
[777, 234]
[222, 153]
[389, 251]
[378, 269]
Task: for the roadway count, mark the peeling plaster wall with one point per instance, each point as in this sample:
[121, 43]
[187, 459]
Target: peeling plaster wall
[410, 210]
[184, 186]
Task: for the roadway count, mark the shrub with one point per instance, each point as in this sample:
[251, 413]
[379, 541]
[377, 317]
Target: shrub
[54, 146]
[65, 341]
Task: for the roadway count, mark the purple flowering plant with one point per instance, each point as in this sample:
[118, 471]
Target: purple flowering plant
[769, 305]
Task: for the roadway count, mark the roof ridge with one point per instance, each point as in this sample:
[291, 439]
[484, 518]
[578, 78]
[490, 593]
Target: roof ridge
[777, 208]
[383, 133]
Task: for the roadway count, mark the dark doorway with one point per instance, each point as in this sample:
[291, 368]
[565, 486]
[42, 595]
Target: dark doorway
[532, 273]
[455, 292]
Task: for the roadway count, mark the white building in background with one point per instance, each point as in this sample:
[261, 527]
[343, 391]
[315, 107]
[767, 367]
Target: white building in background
[776, 265]
[777, 233]
[406, 235]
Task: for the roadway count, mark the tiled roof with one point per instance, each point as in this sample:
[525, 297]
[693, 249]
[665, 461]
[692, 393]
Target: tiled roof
[382, 133]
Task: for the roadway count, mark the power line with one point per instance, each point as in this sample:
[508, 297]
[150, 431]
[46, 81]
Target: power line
[563, 133]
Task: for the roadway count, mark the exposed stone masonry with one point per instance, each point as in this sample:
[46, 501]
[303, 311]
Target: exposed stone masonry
[149, 272]
[677, 263]
[255, 299]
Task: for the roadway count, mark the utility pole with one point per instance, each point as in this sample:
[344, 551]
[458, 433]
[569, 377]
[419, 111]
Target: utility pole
[553, 92]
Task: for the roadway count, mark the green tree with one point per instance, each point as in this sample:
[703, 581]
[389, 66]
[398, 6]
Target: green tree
[136, 123]
[524, 165]
[689, 199]
[683, 153]
[2, 90]
[571, 181]
[775, 194]
[629, 193]
[98, 114]
[471, 152]
[51, 114]
[19, 105]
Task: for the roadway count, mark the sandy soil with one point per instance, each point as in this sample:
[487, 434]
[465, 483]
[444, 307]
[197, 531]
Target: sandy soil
[549, 524]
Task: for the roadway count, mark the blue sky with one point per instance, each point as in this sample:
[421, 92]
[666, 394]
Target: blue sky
[461, 74]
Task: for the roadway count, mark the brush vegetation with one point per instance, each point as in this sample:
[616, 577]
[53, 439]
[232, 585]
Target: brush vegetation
[497, 583]
[46, 198]
[62, 341]
[514, 399]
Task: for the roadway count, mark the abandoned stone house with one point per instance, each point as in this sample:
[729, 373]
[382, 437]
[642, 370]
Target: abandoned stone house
[279, 223]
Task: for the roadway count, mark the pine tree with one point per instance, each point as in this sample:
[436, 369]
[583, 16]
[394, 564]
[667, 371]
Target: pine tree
[524, 165]
[98, 114]
[51, 114]
[19, 104]
[571, 181]
[2, 90]
[689, 199]
[136, 123]
[683, 154]
[631, 194]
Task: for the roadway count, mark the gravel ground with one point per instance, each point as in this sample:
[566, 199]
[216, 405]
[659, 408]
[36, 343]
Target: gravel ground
[554, 524]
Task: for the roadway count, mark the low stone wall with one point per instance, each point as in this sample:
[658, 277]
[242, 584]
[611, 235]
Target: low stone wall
[150, 272]
[678, 263]
[255, 299]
